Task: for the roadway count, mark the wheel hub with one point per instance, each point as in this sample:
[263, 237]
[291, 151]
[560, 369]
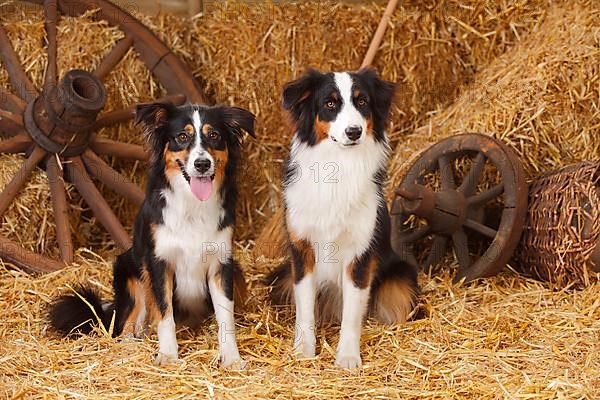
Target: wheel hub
[60, 120]
[445, 211]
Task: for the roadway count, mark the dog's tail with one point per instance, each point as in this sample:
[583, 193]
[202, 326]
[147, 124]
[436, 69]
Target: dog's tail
[281, 282]
[79, 313]
[82, 311]
[395, 291]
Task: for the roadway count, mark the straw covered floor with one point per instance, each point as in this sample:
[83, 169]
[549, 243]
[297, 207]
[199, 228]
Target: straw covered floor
[526, 71]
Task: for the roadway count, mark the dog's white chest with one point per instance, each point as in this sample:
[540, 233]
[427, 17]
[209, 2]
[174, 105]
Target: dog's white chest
[332, 198]
[190, 241]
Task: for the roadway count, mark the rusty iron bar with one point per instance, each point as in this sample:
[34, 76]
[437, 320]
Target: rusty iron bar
[113, 58]
[60, 208]
[111, 178]
[13, 187]
[14, 253]
[79, 177]
[18, 78]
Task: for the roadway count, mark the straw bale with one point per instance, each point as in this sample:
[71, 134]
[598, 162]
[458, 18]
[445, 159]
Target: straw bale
[542, 97]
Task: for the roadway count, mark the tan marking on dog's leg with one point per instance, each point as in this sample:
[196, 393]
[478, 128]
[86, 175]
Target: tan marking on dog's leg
[356, 287]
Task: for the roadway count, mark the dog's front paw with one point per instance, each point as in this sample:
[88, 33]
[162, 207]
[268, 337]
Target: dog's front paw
[163, 359]
[234, 364]
[348, 361]
[304, 346]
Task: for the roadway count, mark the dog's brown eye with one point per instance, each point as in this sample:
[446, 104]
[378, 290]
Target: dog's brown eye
[183, 137]
[330, 105]
[362, 102]
[213, 135]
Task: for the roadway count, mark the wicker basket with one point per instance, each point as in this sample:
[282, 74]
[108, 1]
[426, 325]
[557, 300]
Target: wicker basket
[561, 239]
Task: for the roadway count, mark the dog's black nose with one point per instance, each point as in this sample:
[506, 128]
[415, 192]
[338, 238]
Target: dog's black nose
[353, 132]
[202, 165]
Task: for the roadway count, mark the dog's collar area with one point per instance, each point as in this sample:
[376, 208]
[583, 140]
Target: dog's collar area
[183, 171]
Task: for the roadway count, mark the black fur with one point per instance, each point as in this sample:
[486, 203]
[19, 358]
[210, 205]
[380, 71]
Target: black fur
[313, 96]
[306, 96]
[163, 123]
[69, 314]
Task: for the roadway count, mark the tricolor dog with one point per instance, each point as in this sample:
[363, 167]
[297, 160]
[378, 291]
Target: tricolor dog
[180, 267]
[342, 266]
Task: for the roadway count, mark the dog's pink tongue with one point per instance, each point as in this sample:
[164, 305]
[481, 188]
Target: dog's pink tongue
[201, 187]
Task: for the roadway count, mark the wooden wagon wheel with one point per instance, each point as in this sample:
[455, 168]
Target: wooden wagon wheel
[60, 124]
[432, 209]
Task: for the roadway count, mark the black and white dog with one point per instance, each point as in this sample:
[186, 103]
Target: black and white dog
[180, 266]
[342, 264]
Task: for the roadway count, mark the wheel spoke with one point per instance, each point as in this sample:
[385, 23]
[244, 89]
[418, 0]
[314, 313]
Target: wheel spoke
[446, 173]
[438, 249]
[16, 144]
[10, 102]
[480, 228]
[13, 253]
[93, 198]
[60, 208]
[119, 149]
[461, 249]
[484, 197]
[111, 178]
[16, 184]
[124, 115]
[113, 57]
[20, 82]
[51, 19]
[15, 118]
[469, 184]
[417, 234]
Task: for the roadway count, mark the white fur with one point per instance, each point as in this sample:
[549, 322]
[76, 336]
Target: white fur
[226, 324]
[304, 295]
[167, 341]
[348, 116]
[189, 240]
[198, 151]
[336, 211]
[355, 302]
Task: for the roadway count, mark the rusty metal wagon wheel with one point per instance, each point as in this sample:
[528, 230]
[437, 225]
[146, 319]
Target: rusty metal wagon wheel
[443, 200]
[60, 124]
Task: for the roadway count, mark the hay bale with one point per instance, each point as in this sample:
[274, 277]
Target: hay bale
[432, 51]
[541, 97]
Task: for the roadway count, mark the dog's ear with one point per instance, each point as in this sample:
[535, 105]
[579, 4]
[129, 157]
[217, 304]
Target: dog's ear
[239, 120]
[382, 92]
[152, 117]
[296, 93]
